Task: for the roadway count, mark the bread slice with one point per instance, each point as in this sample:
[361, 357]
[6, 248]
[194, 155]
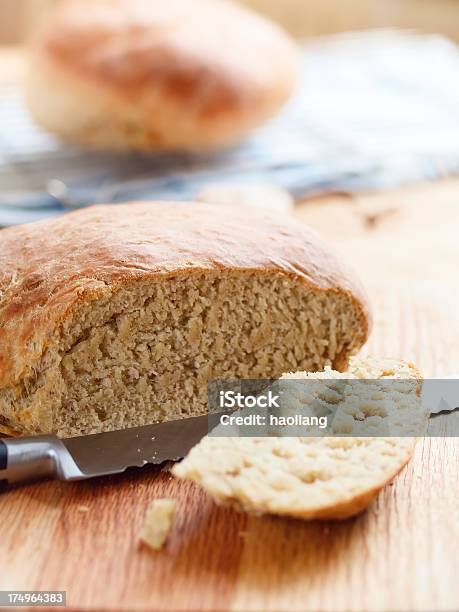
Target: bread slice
[307, 477]
[118, 316]
[382, 397]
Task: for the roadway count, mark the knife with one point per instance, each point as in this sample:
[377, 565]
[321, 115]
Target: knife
[83, 457]
[32, 458]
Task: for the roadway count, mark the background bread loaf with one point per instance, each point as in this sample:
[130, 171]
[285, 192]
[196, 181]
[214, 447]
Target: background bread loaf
[155, 74]
[116, 316]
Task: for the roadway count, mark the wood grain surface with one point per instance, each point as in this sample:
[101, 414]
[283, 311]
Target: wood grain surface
[401, 554]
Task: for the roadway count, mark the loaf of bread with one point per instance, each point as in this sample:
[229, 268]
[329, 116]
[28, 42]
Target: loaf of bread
[304, 477]
[118, 316]
[158, 74]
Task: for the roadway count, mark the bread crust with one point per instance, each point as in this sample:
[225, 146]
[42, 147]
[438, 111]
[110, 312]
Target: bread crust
[50, 268]
[356, 505]
[5, 430]
[159, 75]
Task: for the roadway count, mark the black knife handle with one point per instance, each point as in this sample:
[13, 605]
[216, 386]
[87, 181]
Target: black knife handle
[3, 463]
[3, 456]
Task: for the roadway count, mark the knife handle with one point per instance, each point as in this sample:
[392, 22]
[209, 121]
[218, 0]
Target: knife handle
[3, 463]
[25, 459]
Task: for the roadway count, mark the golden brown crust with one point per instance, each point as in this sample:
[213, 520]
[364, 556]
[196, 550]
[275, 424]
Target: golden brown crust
[221, 67]
[8, 431]
[355, 504]
[48, 268]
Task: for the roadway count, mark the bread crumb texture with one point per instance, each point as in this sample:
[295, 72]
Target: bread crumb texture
[158, 523]
[304, 477]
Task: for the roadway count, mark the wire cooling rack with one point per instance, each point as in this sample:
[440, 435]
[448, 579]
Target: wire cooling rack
[372, 110]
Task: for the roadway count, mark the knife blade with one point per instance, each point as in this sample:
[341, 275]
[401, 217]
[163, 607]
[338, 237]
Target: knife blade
[89, 456]
[441, 395]
[23, 459]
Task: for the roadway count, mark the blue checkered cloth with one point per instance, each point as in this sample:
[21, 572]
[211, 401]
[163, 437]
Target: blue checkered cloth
[372, 111]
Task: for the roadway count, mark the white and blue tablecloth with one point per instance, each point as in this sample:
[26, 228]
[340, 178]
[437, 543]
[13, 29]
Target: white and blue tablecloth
[372, 111]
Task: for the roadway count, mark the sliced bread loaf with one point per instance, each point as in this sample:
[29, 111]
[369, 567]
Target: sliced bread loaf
[118, 316]
[304, 477]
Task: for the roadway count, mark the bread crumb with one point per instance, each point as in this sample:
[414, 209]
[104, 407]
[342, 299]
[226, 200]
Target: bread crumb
[158, 523]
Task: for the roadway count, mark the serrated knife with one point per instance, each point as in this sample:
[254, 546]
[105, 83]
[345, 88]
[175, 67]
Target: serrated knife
[23, 459]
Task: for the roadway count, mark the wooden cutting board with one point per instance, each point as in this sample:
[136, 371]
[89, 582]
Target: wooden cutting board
[401, 554]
